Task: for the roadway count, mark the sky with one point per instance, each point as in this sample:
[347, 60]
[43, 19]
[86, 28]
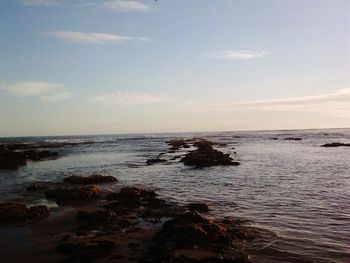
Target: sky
[135, 66]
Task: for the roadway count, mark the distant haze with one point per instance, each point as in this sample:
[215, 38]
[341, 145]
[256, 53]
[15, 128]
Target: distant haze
[134, 66]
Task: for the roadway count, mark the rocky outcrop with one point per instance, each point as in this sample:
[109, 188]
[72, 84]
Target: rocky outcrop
[206, 156]
[91, 179]
[17, 212]
[336, 144]
[13, 159]
[192, 230]
[176, 144]
[80, 193]
[200, 207]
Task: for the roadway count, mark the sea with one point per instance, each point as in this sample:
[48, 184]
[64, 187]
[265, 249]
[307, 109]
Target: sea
[295, 193]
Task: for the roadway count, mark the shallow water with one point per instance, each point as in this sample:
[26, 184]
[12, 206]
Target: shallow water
[295, 192]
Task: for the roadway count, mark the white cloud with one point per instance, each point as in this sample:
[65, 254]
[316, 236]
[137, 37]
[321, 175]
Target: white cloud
[40, 2]
[237, 54]
[133, 98]
[127, 6]
[46, 91]
[30, 88]
[336, 102]
[93, 38]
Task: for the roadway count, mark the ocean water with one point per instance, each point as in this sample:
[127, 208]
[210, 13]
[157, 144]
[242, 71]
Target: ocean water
[296, 193]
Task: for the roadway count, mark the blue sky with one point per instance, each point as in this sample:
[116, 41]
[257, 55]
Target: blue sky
[120, 66]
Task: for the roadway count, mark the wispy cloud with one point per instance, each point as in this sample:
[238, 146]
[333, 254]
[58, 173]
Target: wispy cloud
[93, 37]
[40, 2]
[46, 91]
[237, 54]
[127, 6]
[335, 102]
[132, 98]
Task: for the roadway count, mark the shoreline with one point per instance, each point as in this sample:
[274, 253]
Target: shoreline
[132, 241]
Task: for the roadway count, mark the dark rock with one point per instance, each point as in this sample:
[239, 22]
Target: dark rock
[191, 228]
[124, 223]
[155, 160]
[17, 212]
[37, 212]
[336, 144]
[35, 187]
[292, 139]
[35, 155]
[200, 207]
[206, 156]
[85, 252]
[12, 160]
[177, 144]
[85, 193]
[47, 154]
[91, 179]
[131, 194]
[13, 212]
[100, 216]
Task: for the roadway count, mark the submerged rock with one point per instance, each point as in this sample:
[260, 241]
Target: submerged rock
[336, 144]
[83, 193]
[91, 179]
[17, 212]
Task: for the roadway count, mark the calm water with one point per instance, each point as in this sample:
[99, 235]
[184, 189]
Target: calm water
[296, 193]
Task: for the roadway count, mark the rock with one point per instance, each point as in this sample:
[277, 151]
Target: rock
[336, 144]
[35, 155]
[91, 179]
[100, 216]
[131, 194]
[191, 228]
[47, 154]
[17, 212]
[85, 252]
[37, 212]
[200, 207]
[177, 144]
[13, 212]
[167, 257]
[206, 156]
[35, 187]
[124, 223]
[12, 160]
[292, 139]
[83, 193]
[155, 160]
